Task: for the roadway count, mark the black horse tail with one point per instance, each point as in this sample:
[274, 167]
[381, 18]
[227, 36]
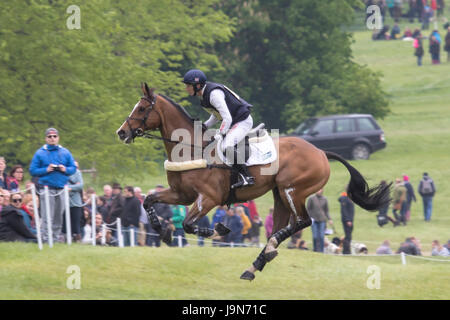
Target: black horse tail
[371, 199]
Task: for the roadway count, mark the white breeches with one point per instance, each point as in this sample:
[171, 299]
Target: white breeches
[237, 132]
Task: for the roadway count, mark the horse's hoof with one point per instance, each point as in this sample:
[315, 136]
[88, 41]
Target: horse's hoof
[269, 256]
[247, 275]
[221, 229]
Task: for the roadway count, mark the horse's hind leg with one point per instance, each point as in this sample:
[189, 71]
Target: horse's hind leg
[289, 206]
[281, 216]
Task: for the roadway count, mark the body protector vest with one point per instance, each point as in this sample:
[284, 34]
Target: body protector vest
[238, 107]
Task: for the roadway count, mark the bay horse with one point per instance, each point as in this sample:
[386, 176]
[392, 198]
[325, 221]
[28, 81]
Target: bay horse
[303, 169]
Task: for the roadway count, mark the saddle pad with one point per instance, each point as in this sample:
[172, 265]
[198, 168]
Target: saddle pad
[262, 150]
[185, 165]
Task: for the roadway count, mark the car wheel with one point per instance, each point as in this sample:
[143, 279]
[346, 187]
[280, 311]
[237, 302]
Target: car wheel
[360, 152]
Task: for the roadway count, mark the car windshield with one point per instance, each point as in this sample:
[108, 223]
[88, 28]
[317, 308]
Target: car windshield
[305, 126]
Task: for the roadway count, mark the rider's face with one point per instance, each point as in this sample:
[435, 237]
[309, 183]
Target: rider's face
[190, 89]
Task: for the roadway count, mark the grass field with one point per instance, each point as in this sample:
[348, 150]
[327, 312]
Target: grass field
[418, 140]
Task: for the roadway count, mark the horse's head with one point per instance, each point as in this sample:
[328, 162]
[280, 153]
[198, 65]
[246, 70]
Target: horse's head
[143, 117]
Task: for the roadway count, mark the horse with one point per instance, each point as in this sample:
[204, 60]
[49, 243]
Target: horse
[303, 169]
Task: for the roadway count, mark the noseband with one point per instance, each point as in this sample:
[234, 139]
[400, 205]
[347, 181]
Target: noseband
[138, 132]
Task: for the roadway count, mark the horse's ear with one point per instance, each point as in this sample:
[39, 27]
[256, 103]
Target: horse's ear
[148, 90]
[143, 88]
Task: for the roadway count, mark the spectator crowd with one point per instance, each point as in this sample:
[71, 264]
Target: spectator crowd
[53, 168]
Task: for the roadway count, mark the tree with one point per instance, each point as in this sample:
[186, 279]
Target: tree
[292, 59]
[85, 81]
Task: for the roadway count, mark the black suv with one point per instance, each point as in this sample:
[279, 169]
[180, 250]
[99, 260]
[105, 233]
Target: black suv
[354, 136]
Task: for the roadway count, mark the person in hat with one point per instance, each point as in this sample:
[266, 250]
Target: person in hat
[410, 196]
[234, 113]
[52, 165]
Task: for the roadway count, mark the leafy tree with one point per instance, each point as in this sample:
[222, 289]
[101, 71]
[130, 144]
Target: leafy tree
[85, 81]
[291, 59]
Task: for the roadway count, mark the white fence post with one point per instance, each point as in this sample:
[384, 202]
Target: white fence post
[180, 241]
[93, 212]
[402, 255]
[37, 219]
[68, 223]
[49, 220]
[119, 233]
[131, 237]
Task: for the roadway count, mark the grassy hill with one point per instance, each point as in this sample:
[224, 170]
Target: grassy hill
[418, 140]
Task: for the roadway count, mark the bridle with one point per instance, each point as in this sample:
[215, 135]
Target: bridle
[138, 132]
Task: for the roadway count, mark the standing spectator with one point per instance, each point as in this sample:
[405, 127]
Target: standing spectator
[390, 4]
[398, 10]
[117, 204]
[53, 165]
[164, 213]
[383, 216]
[440, 7]
[427, 190]
[254, 230]
[427, 14]
[76, 204]
[12, 226]
[15, 178]
[234, 223]
[3, 175]
[101, 208]
[399, 201]
[218, 216]
[384, 248]
[317, 208]
[438, 249]
[246, 223]
[268, 224]
[347, 215]
[178, 215]
[130, 216]
[447, 44]
[410, 196]
[138, 194]
[107, 195]
[203, 222]
[418, 52]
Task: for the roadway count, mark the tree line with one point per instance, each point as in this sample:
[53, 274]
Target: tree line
[290, 58]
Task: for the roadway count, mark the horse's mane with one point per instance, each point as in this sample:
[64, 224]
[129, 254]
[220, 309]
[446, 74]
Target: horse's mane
[180, 108]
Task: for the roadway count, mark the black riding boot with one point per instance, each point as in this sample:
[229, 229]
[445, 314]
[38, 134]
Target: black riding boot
[245, 179]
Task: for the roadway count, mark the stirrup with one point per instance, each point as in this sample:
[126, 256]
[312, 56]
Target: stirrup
[244, 182]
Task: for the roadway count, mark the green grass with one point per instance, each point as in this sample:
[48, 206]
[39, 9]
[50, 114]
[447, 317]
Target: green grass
[209, 273]
[418, 139]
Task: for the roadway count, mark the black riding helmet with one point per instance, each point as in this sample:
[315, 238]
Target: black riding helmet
[195, 77]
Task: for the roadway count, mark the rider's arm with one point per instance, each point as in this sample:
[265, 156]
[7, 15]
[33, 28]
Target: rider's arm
[217, 99]
[211, 121]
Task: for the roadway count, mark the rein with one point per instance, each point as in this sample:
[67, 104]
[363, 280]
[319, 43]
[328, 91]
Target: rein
[140, 133]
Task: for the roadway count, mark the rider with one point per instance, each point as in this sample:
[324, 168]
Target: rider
[226, 106]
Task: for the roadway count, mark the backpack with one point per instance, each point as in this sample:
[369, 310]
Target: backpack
[426, 188]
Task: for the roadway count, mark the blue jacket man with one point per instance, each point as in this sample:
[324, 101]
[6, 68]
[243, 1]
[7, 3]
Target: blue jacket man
[53, 165]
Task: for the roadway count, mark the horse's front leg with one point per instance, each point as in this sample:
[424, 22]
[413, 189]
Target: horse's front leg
[199, 209]
[166, 196]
